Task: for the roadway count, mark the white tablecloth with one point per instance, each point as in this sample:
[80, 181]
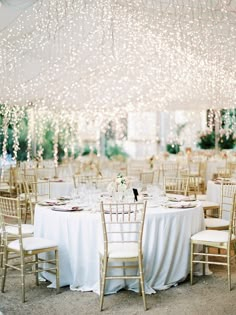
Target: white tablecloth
[166, 244]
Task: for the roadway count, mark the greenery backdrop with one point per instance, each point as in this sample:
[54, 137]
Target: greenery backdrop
[111, 148]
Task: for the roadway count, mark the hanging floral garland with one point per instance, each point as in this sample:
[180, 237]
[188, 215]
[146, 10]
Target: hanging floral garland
[55, 143]
[40, 129]
[6, 121]
[29, 134]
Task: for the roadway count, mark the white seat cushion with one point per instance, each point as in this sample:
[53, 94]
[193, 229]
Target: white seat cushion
[211, 236]
[201, 197]
[216, 223]
[27, 229]
[122, 250]
[5, 186]
[32, 243]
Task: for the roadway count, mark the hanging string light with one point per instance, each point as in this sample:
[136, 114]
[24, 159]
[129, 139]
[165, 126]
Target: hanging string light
[85, 56]
[55, 144]
[6, 120]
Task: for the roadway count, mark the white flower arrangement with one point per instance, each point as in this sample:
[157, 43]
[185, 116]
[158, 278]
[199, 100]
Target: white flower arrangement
[120, 184]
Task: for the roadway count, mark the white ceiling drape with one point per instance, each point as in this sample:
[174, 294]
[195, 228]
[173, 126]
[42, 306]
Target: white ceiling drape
[118, 55]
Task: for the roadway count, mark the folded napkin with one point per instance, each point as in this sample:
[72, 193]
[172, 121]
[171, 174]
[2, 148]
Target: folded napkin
[58, 180]
[181, 198]
[51, 203]
[67, 208]
[181, 205]
[64, 198]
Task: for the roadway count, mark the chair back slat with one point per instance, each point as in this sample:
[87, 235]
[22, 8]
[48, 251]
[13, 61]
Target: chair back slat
[227, 193]
[123, 222]
[176, 185]
[232, 225]
[10, 216]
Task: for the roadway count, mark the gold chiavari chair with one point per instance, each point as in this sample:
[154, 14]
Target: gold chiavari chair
[33, 192]
[222, 222]
[84, 179]
[223, 172]
[21, 254]
[7, 182]
[27, 229]
[122, 234]
[197, 171]
[147, 178]
[232, 168]
[167, 169]
[209, 239]
[176, 185]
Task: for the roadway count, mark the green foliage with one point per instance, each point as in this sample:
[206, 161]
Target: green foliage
[48, 144]
[112, 150]
[227, 142]
[173, 148]
[87, 150]
[207, 140]
[22, 153]
[115, 151]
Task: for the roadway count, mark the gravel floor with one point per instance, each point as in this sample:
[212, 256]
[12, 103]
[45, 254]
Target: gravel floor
[209, 295]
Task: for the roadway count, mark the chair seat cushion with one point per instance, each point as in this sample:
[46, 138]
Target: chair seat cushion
[32, 243]
[201, 197]
[216, 223]
[122, 250]
[4, 186]
[211, 236]
[26, 229]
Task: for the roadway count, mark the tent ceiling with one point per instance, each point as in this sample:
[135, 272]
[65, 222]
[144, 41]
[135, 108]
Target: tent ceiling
[113, 55]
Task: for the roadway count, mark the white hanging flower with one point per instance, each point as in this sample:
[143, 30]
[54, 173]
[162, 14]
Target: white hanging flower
[119, 184]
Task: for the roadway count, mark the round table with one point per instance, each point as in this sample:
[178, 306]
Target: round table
[166, 246]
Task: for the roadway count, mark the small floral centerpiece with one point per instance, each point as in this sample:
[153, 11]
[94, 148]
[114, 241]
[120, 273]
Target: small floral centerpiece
[206, 139]
[227, 139]
[120, 184]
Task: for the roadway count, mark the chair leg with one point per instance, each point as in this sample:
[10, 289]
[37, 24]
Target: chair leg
[229, 267]
[36, 270]
[140, 288]
[5, 260]
[100, 274]
[205, 250]
[57, 271]
[191, 263]
[1, 254]
[142, 283]
[22, 277]
[104, 272]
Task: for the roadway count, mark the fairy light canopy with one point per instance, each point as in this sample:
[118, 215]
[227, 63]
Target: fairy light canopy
[114, 56]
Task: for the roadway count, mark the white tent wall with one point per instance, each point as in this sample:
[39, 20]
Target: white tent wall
[149, 132]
